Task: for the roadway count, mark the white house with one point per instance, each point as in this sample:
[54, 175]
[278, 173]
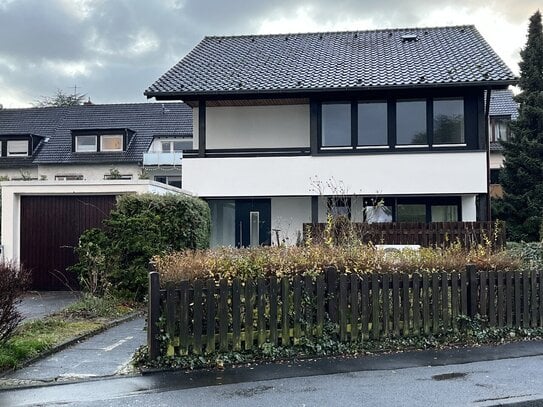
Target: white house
[284, 125]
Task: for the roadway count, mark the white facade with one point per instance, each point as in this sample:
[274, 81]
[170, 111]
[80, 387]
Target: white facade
[13, 190]
[287, 218]
[383, 174]
[90, 172]
[231, 127]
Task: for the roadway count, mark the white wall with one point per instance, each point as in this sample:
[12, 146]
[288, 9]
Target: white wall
[496, 160]
[384, 174]
[288, 215]
[17, 173]
[91, 172]
[255, 126]
[13, 190]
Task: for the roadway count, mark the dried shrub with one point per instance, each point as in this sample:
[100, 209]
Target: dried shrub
[313, 259]
[13, 280]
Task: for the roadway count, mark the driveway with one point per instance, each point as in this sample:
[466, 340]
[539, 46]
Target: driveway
[37, 304]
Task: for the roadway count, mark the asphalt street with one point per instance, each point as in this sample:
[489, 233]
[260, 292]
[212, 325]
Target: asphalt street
[511, 375]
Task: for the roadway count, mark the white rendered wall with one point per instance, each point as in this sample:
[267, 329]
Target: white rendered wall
[13, 190]
[469, 208]
[231, 127]
[92, 172]
[383, 174]
[18, 173]
[288, 215]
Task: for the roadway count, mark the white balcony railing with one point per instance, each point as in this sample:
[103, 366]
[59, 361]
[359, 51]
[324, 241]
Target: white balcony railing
[159, 158]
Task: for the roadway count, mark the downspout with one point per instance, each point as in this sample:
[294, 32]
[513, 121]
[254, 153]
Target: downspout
[487, 145]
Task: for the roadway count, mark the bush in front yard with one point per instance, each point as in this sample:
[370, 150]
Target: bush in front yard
[12, 283]
[313, 259]
[141, 226]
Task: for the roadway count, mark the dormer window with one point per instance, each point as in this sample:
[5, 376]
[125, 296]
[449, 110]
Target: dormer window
[17, 148]
[111, 142]
[101, 140]
[86, 144]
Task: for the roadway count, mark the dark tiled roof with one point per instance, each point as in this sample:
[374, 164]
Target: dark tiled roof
[503, 104]
[336, 60]
[145, 119]
[495, 146]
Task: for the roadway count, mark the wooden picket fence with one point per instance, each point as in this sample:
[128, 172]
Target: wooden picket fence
[424, 234]
[203, 316]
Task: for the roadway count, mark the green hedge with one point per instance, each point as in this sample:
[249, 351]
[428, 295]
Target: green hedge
[116, 259]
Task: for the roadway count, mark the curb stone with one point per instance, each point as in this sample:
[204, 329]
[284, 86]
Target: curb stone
[66, 344]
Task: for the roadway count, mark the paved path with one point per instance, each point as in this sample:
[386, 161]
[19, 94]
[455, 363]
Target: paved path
[36, 304]
[105, 354]
[383, 381]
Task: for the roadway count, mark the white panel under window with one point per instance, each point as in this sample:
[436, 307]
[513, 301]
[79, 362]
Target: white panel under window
[17, 147]
[84, 144]
[111, 142]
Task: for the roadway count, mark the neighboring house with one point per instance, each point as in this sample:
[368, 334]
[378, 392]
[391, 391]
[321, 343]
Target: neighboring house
[95, 142]
[290, 127]
[503, 109]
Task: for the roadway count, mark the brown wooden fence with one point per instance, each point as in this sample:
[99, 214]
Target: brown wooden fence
[424, 234]
[208, 315]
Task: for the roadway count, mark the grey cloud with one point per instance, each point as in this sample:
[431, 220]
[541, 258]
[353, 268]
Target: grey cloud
[35, 33]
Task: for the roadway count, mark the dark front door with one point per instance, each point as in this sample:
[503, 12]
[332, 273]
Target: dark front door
[50, 229]
[253, 222]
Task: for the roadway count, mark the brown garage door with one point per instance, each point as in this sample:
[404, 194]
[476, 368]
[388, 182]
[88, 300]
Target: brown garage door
[50, 229]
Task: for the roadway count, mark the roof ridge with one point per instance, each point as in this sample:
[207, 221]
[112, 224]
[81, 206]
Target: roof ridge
[339, 32]
[36, 108]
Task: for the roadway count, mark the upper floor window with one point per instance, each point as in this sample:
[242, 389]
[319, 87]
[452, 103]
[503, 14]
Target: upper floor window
[17, 148]
[403, 123]
[499, 128]
[372, 124]
[85, 144]
[175, 146]
[411, 122]
[336, 124]
[111, 142]
[448, 121]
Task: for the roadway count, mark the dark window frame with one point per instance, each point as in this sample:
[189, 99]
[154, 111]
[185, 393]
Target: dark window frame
[470, 131]
[493, 121]
[126, 134]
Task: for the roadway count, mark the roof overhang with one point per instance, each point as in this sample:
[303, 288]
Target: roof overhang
[188, 96]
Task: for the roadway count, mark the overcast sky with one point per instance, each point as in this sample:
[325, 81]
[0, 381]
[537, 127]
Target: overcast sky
[112, 50]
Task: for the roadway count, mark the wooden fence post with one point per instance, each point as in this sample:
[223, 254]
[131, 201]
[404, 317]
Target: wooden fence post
[472, 287]
[153, 313]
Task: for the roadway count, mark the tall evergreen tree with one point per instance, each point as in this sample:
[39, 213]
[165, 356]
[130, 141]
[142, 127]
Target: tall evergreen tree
[522, 175]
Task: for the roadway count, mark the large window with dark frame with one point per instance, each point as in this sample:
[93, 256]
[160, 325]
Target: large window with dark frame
[428, 122]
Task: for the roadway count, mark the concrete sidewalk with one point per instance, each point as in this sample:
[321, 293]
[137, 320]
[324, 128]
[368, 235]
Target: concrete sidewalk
[38, 304]
[106, 354]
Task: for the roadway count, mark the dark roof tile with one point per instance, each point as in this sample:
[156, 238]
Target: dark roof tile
[334, 60]
[147, 120]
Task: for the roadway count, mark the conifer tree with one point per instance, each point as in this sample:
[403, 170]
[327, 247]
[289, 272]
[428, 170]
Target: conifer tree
[522, 175]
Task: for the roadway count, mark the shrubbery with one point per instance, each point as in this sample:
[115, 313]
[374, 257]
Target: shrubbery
[313, 259]
[12, 282]
[141, 226]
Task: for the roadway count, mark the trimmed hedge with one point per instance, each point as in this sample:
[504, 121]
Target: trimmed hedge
[141, 226]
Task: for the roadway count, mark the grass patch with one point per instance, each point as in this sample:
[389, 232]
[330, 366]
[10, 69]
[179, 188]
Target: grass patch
[82, 317]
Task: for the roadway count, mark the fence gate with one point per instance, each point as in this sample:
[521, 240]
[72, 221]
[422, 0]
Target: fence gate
[50, 229]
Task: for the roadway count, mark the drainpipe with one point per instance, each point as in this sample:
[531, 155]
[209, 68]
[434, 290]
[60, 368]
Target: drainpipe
[487, 145]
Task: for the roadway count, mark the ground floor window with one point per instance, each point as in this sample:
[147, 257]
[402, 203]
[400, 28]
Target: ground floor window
[411, 209]
[223, 218]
